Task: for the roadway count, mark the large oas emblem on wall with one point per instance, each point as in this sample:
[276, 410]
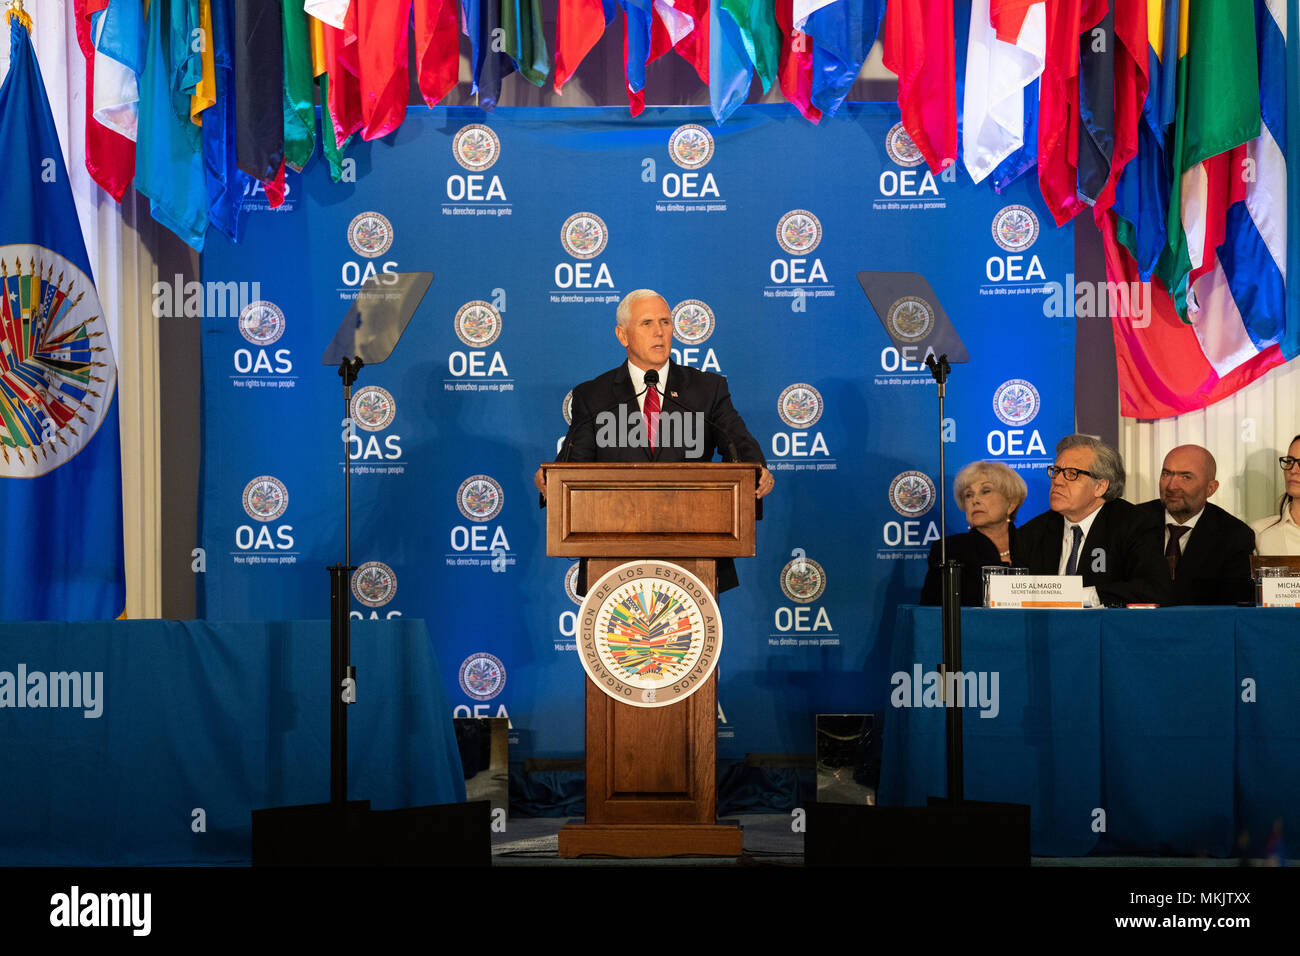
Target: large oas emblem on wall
[649, 633]
[57, 372]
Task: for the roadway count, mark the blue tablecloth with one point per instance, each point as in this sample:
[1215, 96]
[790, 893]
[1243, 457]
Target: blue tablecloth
[1165, 731]
[199, 724]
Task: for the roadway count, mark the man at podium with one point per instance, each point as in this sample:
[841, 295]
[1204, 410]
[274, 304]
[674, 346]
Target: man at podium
[651, 409]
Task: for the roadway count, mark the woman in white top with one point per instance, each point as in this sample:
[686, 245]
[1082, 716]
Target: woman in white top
[1280, 533]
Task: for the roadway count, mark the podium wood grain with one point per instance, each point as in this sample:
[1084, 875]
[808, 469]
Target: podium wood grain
[651, 787]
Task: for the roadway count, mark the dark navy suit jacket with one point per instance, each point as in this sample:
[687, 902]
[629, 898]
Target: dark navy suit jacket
[1120, 557]
[686, 390]
[1215, 566]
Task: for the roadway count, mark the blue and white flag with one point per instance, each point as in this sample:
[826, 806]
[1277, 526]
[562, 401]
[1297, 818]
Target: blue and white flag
[60, 458]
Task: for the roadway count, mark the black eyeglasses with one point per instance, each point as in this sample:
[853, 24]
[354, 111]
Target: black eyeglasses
[1070, 474]
[1288, 462]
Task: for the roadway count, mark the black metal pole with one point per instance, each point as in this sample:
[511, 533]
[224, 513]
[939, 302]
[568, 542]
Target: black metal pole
[951, 607]
[342, 673]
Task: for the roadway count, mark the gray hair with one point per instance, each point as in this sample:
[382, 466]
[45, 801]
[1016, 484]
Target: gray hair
[1007, 483]
[1107, 465]
[625, 307]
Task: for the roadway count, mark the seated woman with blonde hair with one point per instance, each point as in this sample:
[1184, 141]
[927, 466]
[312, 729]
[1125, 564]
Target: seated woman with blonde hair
[989, 493]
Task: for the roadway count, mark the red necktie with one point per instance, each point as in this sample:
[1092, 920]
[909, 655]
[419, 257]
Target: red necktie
[652, 414]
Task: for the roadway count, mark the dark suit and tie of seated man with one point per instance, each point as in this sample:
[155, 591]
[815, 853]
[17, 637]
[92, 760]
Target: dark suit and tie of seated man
[1207, 549]
[1091, 531]
[650, 409]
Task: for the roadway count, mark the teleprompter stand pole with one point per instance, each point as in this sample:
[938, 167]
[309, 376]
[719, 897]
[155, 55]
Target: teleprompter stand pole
[343, 676]
[951, 603]
[345, 831]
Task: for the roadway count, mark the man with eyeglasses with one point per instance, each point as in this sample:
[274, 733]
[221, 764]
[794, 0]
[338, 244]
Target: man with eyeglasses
[1093, 532]
[1207, 549]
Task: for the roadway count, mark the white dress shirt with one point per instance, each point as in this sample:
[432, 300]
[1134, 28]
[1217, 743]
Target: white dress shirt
[1090, 596]
[1277, 537]
[638, 384]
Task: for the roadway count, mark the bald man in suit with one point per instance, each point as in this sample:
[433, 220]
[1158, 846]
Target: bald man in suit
[1207, 550]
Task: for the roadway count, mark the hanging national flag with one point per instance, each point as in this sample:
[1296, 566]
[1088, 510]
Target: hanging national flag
[1217, 109]
[258, 48]
[641, 48]
[919, 50]
[227, 184]
[578, 25]
[169, 158]
[299, 88]
[117, 31]
[1237, 305]
[693, 47]
[796, 63]
[1025, 158]
[1096, 107]
[638, 22]
[320, 67]
[843, 33]
[762, 40]
[342, 94]
[110, 156]
[437, 48]
[381, 54]
[60, 460]
[205, 94]
[1003, 57]
[1130, 93]
[331, 12]
[1058, 115]
[1142, 192]
[525, 43]
[1163, 370]
[481, 21]
[730, 69]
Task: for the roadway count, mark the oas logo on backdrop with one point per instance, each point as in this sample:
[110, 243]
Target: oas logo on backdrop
[692, 322]
[373, 408]
[566, 407]
[571, 583]
[370, 234]
[690, 146]
[1016, 402]
[800, 405]
[480, 498]
[803, 580]
[911, 494]
[1015, 228]
[584, 235]
[477, 324]
[649, 633]
[265, 498]
[476, 147]
[900, 147]
[261, 323]
[910, 318]
[374, 584]
[482, 676]
[799, 232]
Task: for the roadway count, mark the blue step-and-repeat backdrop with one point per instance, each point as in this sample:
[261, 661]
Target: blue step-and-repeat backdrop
[534, 223]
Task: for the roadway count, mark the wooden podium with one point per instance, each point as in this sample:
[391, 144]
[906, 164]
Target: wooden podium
[650, 771]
